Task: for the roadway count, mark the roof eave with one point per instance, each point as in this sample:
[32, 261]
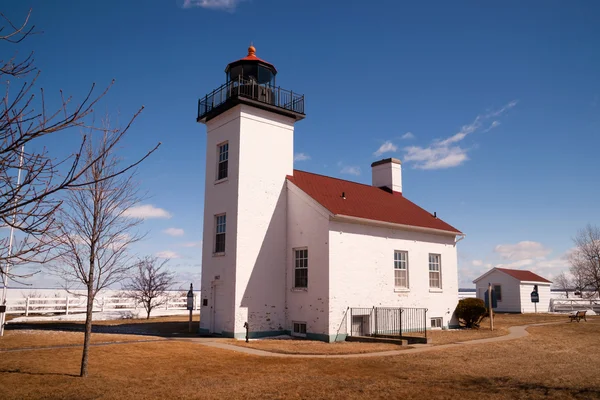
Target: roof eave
[365, 221]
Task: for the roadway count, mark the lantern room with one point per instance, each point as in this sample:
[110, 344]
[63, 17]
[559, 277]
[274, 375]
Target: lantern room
[250, 81]
[251, 68]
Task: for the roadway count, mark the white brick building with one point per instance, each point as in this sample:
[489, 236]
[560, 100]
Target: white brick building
[290, 251]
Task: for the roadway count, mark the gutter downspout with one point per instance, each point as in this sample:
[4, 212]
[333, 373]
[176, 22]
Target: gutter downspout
[462, 236]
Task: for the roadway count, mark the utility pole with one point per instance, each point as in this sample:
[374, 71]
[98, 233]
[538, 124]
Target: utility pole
[10, 245]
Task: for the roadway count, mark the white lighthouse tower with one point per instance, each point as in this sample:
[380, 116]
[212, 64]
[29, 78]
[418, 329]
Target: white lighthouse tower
[249, 152]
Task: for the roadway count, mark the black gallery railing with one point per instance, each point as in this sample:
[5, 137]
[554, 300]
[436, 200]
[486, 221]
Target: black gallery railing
[265, 93]
[388, 321]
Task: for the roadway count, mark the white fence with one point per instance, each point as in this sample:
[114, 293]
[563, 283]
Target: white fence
[566, 305]
[77, 304]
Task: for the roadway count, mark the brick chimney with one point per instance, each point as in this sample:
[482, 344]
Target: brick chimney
[387, 173]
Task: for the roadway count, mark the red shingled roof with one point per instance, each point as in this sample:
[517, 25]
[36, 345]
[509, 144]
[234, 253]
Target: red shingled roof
[523, 275]
[364, 201]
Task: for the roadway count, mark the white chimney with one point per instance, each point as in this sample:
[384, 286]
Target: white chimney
[388, 173]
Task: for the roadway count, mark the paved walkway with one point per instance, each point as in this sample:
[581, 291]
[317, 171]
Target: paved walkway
[514, 332]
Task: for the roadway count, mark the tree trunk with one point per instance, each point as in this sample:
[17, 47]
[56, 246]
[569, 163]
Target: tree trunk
[88, 329]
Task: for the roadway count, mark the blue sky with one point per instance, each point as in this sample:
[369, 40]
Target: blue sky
[494, 109]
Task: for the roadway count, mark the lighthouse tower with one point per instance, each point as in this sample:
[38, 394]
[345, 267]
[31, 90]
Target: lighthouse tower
[249, 152]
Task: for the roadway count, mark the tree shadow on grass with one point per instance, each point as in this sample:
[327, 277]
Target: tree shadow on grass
[18, 371]
[509, 385]
[158, 328]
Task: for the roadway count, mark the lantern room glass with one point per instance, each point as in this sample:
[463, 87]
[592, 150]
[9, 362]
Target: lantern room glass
[252, 72]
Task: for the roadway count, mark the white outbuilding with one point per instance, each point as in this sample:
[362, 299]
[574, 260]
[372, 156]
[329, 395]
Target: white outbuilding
[513, 289]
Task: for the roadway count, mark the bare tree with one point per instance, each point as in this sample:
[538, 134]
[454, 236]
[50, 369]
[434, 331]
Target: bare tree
[30, 206]
[94, 230]
[563, 283]
[585, 259]
[149, 283]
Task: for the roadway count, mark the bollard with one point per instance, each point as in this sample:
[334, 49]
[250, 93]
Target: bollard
[247, 328]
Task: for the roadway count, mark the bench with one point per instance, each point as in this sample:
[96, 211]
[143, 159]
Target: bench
[579, 315]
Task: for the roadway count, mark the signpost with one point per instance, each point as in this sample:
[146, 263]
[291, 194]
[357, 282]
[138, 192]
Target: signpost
[535, 297]
[190, 305]
[490, 303]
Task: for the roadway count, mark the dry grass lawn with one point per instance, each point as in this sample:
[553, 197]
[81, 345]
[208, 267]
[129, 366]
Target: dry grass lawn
[53, 333]
[501, 324]
[555, 361]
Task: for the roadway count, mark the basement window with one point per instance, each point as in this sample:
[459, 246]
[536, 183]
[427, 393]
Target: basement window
[436, 323]
[299, 329]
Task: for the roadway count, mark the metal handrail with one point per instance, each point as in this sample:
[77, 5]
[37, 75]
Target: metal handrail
[263, 93]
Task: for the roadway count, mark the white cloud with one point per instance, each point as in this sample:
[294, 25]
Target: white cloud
[477, 263]
[146, 211]
[350, 170]
[301, 157]
[408, 135]
[192, 244]
[227, 5]
[174, 231]
[167, 254]
[493, 125]
[435, 157]
[385, 148]
[525, 250]
[446, 153]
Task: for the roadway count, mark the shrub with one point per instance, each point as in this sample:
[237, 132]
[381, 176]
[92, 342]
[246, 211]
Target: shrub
[470, 312]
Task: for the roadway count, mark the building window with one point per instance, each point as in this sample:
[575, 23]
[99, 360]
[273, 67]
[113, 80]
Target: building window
[299, 329]
[498, 291]
[221, 227]
[435, 269]
[300, 268]
[223, 161]
[436, 323]
[401, 269]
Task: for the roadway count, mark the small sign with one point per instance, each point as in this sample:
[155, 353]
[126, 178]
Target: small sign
[535, 297]
[190, 298]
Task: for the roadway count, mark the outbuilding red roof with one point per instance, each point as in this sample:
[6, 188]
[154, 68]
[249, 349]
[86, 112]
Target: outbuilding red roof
[523, 275]
[353, 199]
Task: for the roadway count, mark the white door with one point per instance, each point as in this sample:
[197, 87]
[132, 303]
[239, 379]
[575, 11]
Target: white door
[218, 309]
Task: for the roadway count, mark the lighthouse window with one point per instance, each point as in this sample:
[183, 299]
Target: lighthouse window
[222, 165]
[221, 225]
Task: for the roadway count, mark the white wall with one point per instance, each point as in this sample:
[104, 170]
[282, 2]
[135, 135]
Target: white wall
[220, 198]
[308, 226]
[525, 289]
[511, 299]
[266, 157]
[362, 271]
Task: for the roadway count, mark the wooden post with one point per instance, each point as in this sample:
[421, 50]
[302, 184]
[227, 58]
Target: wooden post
[67, 306]
[491, 308]
[27, 306]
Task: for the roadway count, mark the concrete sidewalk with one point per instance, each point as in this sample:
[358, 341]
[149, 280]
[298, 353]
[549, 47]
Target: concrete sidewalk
[514, 332]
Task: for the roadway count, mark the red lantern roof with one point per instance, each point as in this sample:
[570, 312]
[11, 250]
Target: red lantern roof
[252, 57]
